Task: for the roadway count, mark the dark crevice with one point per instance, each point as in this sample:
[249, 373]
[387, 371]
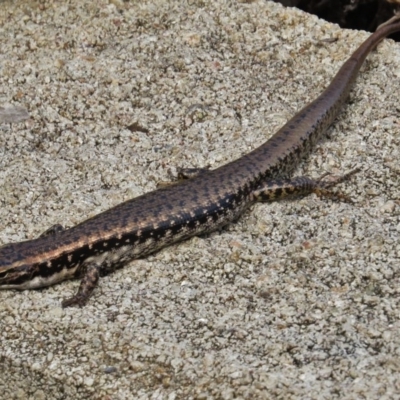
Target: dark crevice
[364, 15]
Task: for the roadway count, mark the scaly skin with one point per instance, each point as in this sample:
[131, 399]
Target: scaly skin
[214, 198]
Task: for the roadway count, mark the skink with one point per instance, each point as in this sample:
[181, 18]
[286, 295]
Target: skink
[190, 207]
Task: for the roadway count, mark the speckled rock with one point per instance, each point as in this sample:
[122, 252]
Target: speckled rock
[297, 299]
